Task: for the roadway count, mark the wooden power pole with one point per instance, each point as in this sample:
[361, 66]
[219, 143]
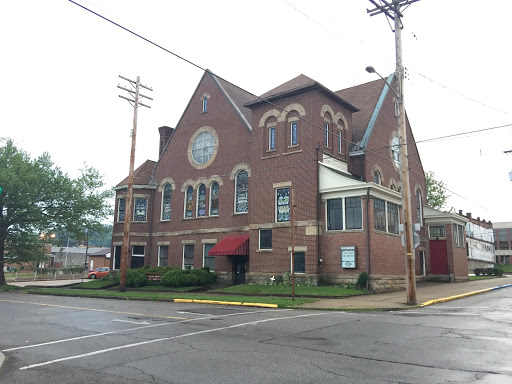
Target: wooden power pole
[392, 9]
[133, 99]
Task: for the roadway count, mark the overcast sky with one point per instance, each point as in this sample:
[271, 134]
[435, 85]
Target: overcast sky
[60, 67]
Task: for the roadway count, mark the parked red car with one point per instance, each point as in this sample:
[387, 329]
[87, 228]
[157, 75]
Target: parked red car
[98, 273]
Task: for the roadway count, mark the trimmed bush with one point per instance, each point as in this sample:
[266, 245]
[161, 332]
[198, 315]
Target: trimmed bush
[187, 278]
[134, 278]
[478, 271]
[362, 280]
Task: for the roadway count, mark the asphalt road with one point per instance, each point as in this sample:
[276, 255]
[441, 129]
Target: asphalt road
[48, 339]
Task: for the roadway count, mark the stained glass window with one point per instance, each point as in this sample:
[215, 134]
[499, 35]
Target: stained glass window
[299, 262]
[283, 204]
[379, 214]
[272, 138]
[214, 199]
[121, 209]
[242, 192]
[201, 201]
[395, 150]
[166, 202]
[141, 206]
[189, 202]
[203, 147]
[293, 127]
[392, 218]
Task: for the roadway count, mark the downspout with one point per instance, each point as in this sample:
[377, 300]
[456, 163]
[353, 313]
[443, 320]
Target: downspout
[318, 206]
[368, 237]
[151, 226]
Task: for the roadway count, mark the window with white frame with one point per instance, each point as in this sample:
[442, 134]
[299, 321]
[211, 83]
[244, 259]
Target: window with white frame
[379, 214]
[271, 138]
[282, 204]
[137, 256]
[163, 255]
[214, 199]
[189, 202]
[188, 256]
[419, 207]
[265, 239]
[458, 235]
[201, 201]
[205, 104]
[208, 261]
[294, 134]
[242, 192]
[299, 262]
[166, 202]
[141, 207]
[392, 218]
[121, 209]
[349, 218]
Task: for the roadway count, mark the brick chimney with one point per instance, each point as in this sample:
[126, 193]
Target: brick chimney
[165, 135]
[468, 215]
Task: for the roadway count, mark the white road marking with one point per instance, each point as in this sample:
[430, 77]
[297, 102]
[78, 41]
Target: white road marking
[132, 322]
[163, 339]
[133, 329]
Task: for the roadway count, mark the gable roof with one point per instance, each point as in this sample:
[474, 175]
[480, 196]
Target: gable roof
[141, 176]
[299, 84]
[369, 97]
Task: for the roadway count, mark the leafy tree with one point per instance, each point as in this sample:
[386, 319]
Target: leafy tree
[37, 197]
[436, 191]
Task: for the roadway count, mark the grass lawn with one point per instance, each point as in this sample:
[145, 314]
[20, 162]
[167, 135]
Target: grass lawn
[94, 284]
[281, 302]
[7, 288]
[287, 290]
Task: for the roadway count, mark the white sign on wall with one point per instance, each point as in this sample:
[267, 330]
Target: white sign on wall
[348, 257]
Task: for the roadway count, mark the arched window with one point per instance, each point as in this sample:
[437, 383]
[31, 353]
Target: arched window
[377, 179]
[242, 192]
[166, 201]
[418, 205]
[189, 202]
[395, 150]
[205, 104]
[201, 201]
[214, 199]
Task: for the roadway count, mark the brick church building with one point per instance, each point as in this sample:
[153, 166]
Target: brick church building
[237, 171]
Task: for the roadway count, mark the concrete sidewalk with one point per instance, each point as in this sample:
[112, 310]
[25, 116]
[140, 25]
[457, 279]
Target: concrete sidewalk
[46, 283]
[427, 293]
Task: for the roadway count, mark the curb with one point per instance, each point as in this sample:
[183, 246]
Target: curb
[226, 303]
[450, 298]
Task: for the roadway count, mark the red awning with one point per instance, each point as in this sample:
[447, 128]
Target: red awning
[231, 245]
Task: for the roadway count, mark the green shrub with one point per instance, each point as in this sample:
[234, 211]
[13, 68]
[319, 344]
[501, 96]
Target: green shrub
[134, 278]
[176, 277]
[498, 272]
[287, 279]
[478, 271]
[362, 280]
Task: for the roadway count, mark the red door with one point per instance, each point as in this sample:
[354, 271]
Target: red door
[438, 257]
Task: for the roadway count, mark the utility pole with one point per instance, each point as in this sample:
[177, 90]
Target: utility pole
[133, 99]
[392, 9]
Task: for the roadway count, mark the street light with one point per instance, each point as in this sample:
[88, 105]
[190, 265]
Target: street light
[406, 193]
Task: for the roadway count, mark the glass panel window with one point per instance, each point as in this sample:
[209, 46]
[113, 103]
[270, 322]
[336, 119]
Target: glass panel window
[395, 150]
[340, 138]
[188, 256]
[271, 138]
[205, 104]
[203, 147]
[242, 192]
[334, 214]
[214, 199]
[458, 235]
[436, 231]
[299, 262]
[376, 177]
[209, 261]
[353, 213]
[163, 255]
[265, 239]
[418, 206]
[379, 213]
[201, 201]
[137, 256]
[121, 207]
[166, 202]
[283, 204]
[141, 206]
[189, 202]
[392, 218]
[293, 129]
[326, 134]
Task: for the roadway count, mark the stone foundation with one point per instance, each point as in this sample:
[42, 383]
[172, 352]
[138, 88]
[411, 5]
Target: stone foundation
[472, 264]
